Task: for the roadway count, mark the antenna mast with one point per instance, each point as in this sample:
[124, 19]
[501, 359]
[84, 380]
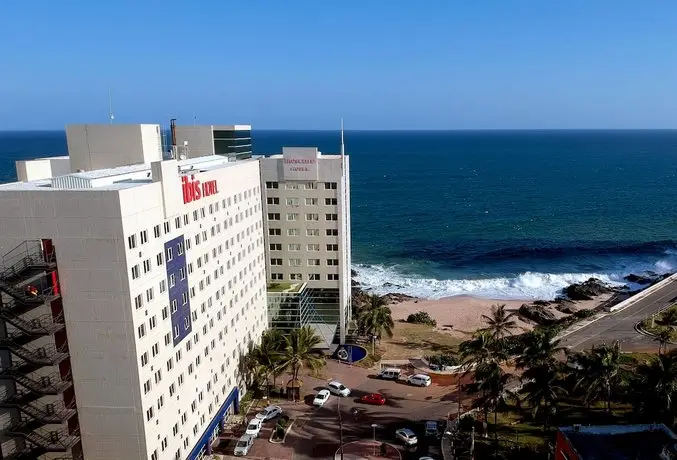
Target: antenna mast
[111, 117]
[343, 150]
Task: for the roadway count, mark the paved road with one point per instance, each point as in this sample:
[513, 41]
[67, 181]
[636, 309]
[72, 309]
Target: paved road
[620, 326]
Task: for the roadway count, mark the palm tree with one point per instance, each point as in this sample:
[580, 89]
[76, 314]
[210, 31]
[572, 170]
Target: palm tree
[664, 337]
[301, 351]
[376, 318]
[541, 389]
[656, 386]
[491, 380]
[479, 350]
[600, 372]
[499, 323]
[540, 348]
[668, 318]
[268, 353]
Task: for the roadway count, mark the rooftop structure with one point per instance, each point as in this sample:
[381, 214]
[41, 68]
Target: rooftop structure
[616, 442]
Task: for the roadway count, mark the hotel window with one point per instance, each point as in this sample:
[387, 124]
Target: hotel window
[172, 280]
[138, 301]
[276, 276]
[293, 232]
[332, 277]
[166, 227]
[295, 277]
[330, 185]
[275, 247]
[163, 286]
[331, 217]
[182, 273]
[175, 305]
[142, 330]
[293, 216]
[195, 215]
[146, 265]
[180, 248]
[144, 359]
[168, 338]
[330, 201]
[312, 232]
[184, 298]
[273, 200]
[314, 277]
[211, 209]
[294, 262]
[332, 262]
[135, 272]
[170, 254]
[177, 223]
[149, 294]
[275, 261]
[312, 216]
[268, 185]
[156, 231]
[202, 212]
[155, 349]
[187, 242]
[131, 240]
[310, 186]
[159, 259]
[311, 201]
[332, 247]
[176, 332]
[165, 313]
[313, 247]
[273, 216]
[313, 262]
[291, 186]
[292, 201]
[147, 386]
[274, 232]
[144, 237]
[185, 219]
[294, 247]
[332, 232]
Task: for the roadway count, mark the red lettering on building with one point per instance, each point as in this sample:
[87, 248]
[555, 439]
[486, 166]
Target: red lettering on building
[193, 189]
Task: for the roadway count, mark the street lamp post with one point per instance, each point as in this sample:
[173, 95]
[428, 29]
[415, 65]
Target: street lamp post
[374, 426]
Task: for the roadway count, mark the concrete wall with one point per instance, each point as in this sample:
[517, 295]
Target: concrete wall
[200, 140]
[92, 147]
[43, 168]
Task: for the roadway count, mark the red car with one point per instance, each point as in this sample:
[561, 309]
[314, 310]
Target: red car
[374, 398]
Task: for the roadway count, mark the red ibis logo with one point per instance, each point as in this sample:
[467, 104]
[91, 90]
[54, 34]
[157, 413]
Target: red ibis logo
[193, 189]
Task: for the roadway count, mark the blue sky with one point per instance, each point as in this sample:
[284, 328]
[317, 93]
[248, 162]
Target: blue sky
[380, 64]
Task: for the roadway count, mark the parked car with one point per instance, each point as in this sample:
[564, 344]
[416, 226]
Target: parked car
[407, 436]
[390, 374]
[269, 412]
[254, 427]
[243, 445]
[338, 388]
[321, 398]
[420, 380]
[431, 428]
[373, 398]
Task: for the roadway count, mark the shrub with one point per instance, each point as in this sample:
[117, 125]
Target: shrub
[580, 314]
[466, 423]
[421, 317]
[443, 360]
[279, 432]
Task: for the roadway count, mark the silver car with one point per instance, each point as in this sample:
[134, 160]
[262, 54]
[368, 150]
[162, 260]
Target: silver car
[243, 445]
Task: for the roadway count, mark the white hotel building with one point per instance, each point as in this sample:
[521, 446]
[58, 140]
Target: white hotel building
[132, 285]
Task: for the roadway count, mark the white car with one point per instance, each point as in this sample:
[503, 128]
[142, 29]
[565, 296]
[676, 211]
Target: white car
[407, 436]
[269, 412]
[254, 427]
[321, 398]
[338, 388]
[420, 380]
[243, 445]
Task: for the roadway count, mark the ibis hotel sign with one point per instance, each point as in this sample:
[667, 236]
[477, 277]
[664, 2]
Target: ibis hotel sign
[193, 189]
[299, 163]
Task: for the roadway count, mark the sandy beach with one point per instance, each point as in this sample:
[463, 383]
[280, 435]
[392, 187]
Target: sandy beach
[459, 316]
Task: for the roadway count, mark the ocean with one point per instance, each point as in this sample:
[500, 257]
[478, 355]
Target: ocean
[495, 214]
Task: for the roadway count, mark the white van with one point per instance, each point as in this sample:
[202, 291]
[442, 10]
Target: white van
[390, 374]
[420, 380]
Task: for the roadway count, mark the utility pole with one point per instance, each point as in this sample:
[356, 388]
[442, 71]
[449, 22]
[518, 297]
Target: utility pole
[338, 407]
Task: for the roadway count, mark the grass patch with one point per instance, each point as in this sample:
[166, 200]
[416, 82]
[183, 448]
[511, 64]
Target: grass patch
[416, 340]
[651, 326]
[284, 287]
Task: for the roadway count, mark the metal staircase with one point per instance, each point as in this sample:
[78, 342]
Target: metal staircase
[27, 330]
[52, 384]
[59, 440]
[55, 413]
[48, 355]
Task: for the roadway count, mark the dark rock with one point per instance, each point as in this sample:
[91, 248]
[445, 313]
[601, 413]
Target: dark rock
[536, 313]
[569, 309]
[354, 283]
[661, 278]
[542, 303]
[391, 285]
[587, 290]
[353, 273]
[639, 279]
[397, 298]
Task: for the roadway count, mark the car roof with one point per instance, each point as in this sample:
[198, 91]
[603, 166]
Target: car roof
[420, 376]
[324, 391]
[391, 369]
[335, 382]
[406, 431]
[255, 420]
[271, 407]
[246, 437]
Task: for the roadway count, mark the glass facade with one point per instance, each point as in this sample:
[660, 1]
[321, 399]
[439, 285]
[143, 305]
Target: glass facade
[236, 144]
[291, 306]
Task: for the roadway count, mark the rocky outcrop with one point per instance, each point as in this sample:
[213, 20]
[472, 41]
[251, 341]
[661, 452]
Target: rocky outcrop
[566, 307]
[587, 290]
[536, 313]
[397, 298]
[639, 279]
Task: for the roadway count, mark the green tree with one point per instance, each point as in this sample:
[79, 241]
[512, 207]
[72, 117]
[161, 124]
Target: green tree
[655, 388]
[668, 318]
[599, 371]
[499, 323]
[268, 353]
[376, 318]
[491, 381]
[541, 390]
[300, 350]
[480, 349]
[540, 349]
[664, 337]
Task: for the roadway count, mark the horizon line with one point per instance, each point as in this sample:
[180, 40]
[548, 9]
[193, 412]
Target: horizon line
[29, 130]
